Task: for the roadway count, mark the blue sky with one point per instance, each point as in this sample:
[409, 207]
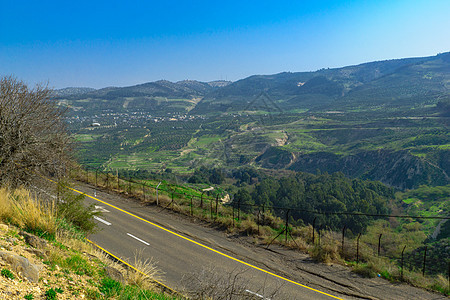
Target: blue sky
[118, 43]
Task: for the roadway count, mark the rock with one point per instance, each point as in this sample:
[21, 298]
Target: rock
[33, 240]
[22, 266]
[36, 252]
[4, 227]
[114, 274]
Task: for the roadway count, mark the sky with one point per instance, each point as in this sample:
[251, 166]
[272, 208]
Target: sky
[121, 43]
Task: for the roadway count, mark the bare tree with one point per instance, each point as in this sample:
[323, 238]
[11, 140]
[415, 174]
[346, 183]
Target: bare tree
[33, 135]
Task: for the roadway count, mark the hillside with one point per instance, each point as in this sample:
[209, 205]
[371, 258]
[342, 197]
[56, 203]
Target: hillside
[385, 121]
[393, 83]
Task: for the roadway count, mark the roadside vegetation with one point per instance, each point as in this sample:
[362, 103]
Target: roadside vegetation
[265, 222]
[72, 267]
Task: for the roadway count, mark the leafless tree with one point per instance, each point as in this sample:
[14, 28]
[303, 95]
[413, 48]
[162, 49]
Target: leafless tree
[33, 135]
[210, 283]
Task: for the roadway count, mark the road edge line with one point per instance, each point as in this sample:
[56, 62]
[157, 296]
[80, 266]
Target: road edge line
[134, 268]
[206, 247]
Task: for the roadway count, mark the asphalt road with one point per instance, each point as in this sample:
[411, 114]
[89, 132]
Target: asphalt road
[128, 228]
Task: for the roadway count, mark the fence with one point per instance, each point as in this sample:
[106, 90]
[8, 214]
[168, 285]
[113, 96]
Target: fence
[260, 220]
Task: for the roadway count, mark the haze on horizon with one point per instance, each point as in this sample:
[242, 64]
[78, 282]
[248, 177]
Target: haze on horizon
[118, 43]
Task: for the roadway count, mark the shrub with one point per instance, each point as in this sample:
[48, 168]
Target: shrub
[7, 273]
[71, 208]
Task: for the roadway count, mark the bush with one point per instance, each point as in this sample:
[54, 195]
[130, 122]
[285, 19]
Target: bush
[71, 208]
[7, 274]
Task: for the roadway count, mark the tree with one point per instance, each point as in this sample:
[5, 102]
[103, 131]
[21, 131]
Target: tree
[33, 135]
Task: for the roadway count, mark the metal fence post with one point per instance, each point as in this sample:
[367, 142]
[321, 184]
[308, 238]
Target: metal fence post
[287, 226]
[424, 260]
[263, 216]
[107, 180]
[96, 173]
[379, 244]
[87, 176]
[217, 202]
[172, 199]
[191, 205]
[357, 248]
[210, 208]
[343, 239]
[157, 199]
[233, 214]
[143, 190]
[401, 274]
[201, 199]
[239, 209]
[313, 230]
[258, 219]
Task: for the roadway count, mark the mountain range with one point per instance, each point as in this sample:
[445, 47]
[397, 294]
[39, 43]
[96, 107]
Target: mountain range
[409, 82]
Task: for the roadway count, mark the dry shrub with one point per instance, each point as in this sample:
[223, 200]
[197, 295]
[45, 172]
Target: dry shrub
[248, 226]
[327, 251]
[210, 283]
[146, 273]
[19, 208]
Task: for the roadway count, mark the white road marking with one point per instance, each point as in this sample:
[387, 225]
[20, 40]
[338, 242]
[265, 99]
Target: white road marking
[101, 220]
[100, 208]
[256, 294]
[142, 241]
[45, 192]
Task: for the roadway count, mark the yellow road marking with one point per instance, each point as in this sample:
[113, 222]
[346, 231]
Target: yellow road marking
[131, 266]
[206, 247]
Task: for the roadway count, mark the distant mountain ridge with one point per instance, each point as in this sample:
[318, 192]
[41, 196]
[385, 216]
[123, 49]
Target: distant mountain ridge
[412, 80]
[406, 82]
[160, 88]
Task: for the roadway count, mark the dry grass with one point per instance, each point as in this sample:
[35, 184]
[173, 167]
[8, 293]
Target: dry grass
[19, 208]
[327, 250]
[147, 274]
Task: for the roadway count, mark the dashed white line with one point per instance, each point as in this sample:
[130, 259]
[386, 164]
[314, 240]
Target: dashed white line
[142, 241]
[103, 221]
[256, 294]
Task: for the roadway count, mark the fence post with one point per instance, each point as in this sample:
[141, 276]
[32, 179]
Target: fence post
[157, 199]
[313, 230]
[233, 214]
[239, 209]
[379, 244]
[201, 199]
[96, 173]
[258, 219]
[143, 190]
[287, 226]
[172, 200]
[107, 180]
[210, 208]
[87, 176]
[424, 260]
[343, 238]
[357, 249]
[217, 202]
[263, 215]
[191, 205]
[401, 274]
[129, 185]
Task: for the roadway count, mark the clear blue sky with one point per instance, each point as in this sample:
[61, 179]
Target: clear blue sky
[118, 43]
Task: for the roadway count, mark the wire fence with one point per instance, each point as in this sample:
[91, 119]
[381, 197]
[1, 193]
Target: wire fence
[275, 224]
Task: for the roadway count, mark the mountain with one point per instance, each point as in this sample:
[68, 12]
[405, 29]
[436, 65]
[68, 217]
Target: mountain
[392, 83]
[159, 97]
[72, 91]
